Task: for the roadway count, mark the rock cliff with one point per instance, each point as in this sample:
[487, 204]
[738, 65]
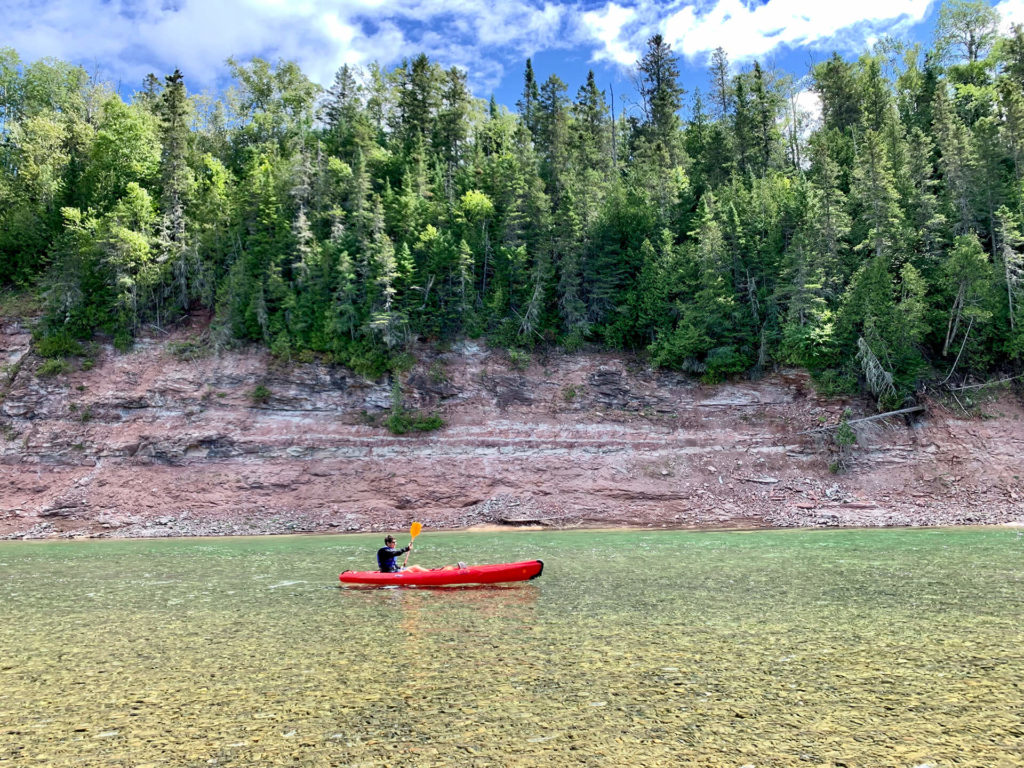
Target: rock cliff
[173, 440]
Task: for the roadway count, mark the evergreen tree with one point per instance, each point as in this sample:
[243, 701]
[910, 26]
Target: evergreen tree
[880, 221]
[836, 86]
[721, 87]
[552, 134]
[957, 163]
[451, 135]
[765, 110]
[176, 181]
[418, 86]
[661, 95]
[528, 102]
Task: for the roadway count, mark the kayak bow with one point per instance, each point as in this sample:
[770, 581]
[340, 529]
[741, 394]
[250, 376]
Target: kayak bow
[499, 573]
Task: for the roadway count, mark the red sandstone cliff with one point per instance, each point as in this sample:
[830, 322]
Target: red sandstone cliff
[148, 443]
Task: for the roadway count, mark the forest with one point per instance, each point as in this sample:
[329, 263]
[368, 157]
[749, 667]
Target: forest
[724, 232]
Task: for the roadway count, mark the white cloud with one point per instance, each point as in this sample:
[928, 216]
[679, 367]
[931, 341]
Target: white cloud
[1012, 12]
[125, 39]
[747, 31]
[608, 28]
[134, 37]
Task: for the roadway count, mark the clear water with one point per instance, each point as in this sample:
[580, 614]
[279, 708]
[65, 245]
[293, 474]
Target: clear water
[819, 648]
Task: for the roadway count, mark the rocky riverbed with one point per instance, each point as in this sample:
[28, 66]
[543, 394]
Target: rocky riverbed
[174, 439]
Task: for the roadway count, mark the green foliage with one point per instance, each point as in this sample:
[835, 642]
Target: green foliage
[834, 383]
[437, 373]
[873, 250]
[55, 366]
[573, 341]
[401, 422]
[192, 348]
[58, 344]
[843, 438]
[519, 359]
[260, 394]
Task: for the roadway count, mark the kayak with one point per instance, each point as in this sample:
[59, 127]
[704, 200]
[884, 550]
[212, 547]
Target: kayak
[499, 573]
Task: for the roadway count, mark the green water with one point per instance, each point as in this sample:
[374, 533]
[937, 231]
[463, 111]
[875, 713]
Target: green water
[820, 648]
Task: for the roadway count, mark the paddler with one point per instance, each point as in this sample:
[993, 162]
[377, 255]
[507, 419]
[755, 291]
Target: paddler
[387, 557]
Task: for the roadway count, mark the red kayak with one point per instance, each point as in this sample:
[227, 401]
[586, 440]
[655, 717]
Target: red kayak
[439, 577]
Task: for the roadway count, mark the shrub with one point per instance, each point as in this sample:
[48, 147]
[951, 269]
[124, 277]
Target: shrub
[844, 439]
[402, 362]
[123, 341]
[437, 373]
[364, 359]
[53, 367]
[60, 344]
[519, 359]
[192, 348]
[400, 421]
[833, 383]
[260, 394]
[572, 341]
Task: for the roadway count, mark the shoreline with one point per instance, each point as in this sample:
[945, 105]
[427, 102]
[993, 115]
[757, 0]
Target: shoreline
[489, 528]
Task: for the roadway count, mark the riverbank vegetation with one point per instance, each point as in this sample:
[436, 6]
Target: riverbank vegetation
[721, 232]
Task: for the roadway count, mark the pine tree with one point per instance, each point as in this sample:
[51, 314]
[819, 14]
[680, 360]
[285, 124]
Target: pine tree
[452, 132]
[528, 102]
[552, 135]
[743, 127]
[590, 129]
[175, 177]
[926, 221]
[828, 224]
[874, 99]
[721, 87]
[661, 94]
[880, 219]
[835, 84]
[957, 163]
[765, 109]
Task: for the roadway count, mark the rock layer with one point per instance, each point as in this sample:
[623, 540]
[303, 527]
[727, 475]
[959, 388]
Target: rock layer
[151, 443]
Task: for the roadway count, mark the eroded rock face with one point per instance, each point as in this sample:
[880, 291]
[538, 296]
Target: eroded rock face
[146, 444]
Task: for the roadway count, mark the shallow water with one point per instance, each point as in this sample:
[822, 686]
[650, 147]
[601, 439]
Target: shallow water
[818, 648]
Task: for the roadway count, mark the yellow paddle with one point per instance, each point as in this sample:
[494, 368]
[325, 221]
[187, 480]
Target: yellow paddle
[414, 531]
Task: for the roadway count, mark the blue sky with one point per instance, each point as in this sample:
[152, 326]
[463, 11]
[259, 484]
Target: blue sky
[123, 40]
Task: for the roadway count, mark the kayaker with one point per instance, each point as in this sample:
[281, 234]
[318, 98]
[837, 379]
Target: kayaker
[388, 555]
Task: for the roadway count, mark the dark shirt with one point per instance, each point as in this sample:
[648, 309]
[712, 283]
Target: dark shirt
[386, 558]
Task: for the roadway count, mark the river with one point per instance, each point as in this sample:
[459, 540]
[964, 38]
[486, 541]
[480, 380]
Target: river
[635, 648]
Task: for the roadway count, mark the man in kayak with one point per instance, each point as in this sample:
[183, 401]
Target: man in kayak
[388, 555]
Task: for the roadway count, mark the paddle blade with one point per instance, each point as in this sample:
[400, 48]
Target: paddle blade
[414, 529]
